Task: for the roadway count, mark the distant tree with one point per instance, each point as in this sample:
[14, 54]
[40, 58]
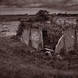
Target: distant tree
[42, 15]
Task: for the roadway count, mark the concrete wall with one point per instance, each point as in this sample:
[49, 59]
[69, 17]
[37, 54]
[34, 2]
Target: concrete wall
[36, 38]
[26, 36]
[32, 36]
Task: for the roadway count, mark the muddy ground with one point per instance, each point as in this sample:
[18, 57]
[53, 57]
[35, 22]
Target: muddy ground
[18, 61]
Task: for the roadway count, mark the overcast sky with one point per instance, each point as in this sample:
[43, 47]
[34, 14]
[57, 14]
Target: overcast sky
[58, 4]
[66, 5]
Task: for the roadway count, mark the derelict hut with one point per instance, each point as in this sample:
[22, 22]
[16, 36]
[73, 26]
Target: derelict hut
[31, 34]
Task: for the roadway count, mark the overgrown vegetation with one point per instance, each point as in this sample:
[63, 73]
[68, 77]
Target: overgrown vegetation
[18, 61]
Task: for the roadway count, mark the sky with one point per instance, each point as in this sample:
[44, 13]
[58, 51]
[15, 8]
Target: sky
[38, 3]
[66, 5]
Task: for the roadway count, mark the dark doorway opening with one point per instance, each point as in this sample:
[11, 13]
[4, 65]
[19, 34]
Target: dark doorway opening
[45, 38]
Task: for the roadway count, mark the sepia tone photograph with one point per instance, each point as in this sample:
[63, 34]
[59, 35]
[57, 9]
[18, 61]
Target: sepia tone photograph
[38, 38]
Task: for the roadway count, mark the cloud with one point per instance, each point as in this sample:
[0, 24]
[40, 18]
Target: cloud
[55, 4]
